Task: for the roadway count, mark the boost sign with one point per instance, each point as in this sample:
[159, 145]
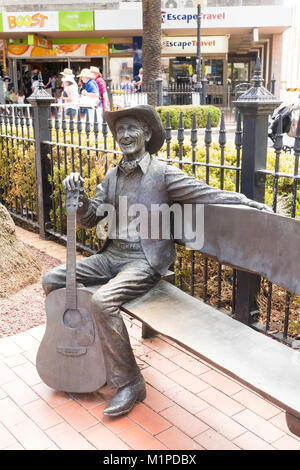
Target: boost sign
[30, 21]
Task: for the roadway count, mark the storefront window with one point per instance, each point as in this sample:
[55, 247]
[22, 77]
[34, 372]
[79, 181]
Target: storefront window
[214, 71]
[119, 67]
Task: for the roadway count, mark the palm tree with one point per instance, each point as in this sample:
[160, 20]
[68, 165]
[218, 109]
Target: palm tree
[151, 46]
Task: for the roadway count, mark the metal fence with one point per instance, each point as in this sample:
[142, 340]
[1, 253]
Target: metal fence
[39, 147]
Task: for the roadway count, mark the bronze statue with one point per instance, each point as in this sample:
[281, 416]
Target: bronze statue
[129, 265]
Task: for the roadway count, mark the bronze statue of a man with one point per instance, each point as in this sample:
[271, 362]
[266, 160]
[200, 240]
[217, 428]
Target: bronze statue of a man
[129, 265]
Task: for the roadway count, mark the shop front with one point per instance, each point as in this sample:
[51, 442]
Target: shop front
[231, 39]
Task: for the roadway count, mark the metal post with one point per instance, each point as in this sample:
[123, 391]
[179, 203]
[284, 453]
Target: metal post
[41, 101]
[255, 105]
[198, 57]
[273, 82]
[108, 81]
[159, 91]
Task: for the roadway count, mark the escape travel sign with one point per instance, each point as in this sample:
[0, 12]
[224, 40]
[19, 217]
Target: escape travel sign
[188, 45]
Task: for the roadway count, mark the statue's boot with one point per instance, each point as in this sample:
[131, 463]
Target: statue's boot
[126, 397]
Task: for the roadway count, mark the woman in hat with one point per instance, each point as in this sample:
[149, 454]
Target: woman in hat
[90, 95]
[102, 88]
[71, 97]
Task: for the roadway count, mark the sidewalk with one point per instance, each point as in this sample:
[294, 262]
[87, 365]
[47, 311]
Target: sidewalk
[190, 405]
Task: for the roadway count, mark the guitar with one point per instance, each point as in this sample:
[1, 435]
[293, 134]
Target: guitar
[70, 356]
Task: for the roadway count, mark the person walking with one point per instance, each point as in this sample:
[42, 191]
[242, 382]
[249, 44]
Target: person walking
[71, 97]
[102, 88]
[90, 96]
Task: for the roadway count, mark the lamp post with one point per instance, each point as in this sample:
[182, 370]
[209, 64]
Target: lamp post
[198, 85]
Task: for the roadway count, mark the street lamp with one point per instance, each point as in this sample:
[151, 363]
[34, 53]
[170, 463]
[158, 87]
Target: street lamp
[198, 86]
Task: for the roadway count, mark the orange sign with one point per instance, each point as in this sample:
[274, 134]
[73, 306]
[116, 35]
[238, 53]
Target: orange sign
[38, 19]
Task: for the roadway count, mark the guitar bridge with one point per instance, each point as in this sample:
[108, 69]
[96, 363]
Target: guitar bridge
[71, 351]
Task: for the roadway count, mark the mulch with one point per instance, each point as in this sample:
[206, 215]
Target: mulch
[26, 308]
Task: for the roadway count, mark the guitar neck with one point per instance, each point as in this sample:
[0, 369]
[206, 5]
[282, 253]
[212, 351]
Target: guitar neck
[71, 297]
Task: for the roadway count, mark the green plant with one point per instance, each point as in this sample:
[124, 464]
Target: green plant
[201, 113]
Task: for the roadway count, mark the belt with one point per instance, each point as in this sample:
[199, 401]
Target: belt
[127, 246]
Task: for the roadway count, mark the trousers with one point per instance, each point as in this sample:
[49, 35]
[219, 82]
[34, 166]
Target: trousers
[124, 274]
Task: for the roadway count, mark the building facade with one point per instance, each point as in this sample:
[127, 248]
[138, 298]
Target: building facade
[109, 35]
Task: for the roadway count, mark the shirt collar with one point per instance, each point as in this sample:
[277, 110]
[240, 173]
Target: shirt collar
[143, 162]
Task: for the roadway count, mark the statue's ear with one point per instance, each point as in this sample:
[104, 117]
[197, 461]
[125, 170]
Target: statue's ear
[148, 133]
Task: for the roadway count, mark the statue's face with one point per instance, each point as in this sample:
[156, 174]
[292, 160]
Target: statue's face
[131, 136]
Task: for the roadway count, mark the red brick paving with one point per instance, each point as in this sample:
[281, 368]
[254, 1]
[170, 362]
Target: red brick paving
[189, 406]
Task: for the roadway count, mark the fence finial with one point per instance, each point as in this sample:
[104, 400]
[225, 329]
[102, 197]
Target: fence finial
[257, 77]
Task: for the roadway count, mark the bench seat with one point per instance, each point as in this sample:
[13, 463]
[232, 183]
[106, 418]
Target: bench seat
[260, 362]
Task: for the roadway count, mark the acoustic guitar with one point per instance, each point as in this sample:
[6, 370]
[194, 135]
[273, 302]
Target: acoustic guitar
[70, 356]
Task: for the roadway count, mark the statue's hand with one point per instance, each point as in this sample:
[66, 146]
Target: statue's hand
[70, 182]
[259, 206]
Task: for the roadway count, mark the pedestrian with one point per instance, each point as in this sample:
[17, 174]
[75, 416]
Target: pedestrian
[126, 85]
[35, 83]
[21, 96]
[102, 88]
[71, 97]
[47, 81]
[27, 84]
[53, 85]
[90, 96]
[138, 80]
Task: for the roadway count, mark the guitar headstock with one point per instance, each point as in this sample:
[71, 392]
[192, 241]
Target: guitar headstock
[72, 199]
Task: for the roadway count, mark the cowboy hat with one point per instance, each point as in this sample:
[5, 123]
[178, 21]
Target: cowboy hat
[67, 72]
[68, 78]
[95, 70]
[143, 112]
[86, 73]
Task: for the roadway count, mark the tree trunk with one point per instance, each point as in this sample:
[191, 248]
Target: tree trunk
[151, 47]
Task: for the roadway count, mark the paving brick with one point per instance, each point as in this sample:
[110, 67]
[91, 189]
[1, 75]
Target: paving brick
[212, 440]
[104, 439]
[42, 414]
[6, 374]
[53, 397]
[161, 346]
[15, 446]
[20, 392]
[280, 422]
[25, 341]
[10, 413]
[6, 438]
[77, 416]
[256, 403]
[221, 382]
[156, 400]
[37, 332]
[157, 379]
[9, 348]
[88, 400]
[188, 380]
[15, 360]
[262, 428]
[31, 355]
[66, 438]
[28, 373]
[186, 399]
[249, 441]
[286, 443]
[139, 439]
[30, 435]
[221, 423]
[184, 420]
[221, 401]
[159, 362]
[175, 439]
[190, 364]
[149, 419]
[116, 424]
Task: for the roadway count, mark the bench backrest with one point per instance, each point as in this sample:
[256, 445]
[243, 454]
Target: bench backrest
[252, 240]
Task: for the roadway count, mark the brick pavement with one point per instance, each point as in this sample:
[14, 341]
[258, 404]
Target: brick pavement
[189, 406]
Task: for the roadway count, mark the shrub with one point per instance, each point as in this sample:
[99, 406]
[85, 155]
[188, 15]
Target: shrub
[187, 114]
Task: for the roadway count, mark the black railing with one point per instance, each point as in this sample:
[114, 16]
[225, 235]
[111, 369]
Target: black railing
[86, 145]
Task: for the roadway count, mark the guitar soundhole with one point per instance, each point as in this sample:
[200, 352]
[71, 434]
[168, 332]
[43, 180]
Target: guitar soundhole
[72, 319]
